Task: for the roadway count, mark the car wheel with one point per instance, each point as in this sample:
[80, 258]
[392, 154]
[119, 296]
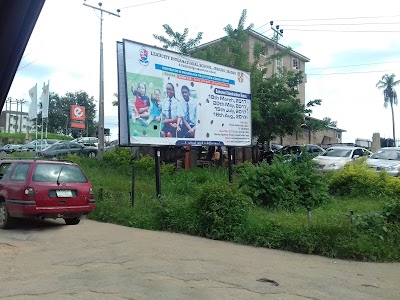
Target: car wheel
[92, 154]
[72, 221]
[6, 221]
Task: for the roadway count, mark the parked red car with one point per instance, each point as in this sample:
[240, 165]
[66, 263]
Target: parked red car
[43, 189]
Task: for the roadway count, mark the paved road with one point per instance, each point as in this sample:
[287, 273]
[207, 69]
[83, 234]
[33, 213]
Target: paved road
[48, 260]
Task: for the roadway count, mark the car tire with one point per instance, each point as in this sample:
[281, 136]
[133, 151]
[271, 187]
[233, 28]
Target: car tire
[92, 154]
[6, 221]
[72, 221]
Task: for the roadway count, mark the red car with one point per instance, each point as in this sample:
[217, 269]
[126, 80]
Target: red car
[43, 189]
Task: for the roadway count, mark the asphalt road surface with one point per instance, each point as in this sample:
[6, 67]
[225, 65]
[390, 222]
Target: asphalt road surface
[49, 260]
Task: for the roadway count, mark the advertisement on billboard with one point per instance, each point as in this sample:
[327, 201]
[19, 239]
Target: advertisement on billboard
[166, 98]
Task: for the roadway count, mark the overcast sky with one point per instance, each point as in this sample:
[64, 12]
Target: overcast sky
[350, 44]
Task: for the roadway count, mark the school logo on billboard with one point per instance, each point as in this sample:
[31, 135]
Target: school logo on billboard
[144, 54]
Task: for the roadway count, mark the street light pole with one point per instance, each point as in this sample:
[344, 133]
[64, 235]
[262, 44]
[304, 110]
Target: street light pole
[277, 32]
[100, 128]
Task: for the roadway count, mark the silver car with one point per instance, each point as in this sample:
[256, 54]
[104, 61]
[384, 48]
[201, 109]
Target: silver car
[335, 158]
[387, 158]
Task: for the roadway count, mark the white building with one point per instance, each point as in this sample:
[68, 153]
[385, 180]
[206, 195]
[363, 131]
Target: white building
[12, 121]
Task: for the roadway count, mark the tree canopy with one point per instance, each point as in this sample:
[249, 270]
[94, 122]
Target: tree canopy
[59, 113]
[178, 41]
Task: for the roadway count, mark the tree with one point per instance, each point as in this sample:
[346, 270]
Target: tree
[387, 83]
[330, 122]
[59, 113]
[230, 50]
[178, 41]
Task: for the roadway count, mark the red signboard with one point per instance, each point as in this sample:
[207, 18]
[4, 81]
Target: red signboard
[78, 116]
[78, 113]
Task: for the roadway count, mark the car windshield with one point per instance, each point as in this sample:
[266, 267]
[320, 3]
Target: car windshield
[389, 154]
[58, 173]
[336, 152]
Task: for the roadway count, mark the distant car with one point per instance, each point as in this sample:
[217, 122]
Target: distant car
[9, 148]
[62, 149]
[37, 145]
[387, 158]
[87, 141]
[335, 158]
[43, 189]
[296, 149]
[111, 145]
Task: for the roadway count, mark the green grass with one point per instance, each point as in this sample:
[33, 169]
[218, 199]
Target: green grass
[331, 231]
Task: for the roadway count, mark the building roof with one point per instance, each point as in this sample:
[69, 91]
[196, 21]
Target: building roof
[263, 38]
[330, 127]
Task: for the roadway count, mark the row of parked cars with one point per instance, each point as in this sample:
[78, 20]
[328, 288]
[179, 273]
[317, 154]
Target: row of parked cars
[337, 157]
[50, 148]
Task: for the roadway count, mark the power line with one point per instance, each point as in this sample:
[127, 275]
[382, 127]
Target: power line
[348, 66]
[347, 31]
[343, 18]
[347, 73]
[26, 65]
[330, 19]
[136, 5]
[342, 24]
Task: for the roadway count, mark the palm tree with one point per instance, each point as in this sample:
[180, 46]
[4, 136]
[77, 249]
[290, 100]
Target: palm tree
[387, 83]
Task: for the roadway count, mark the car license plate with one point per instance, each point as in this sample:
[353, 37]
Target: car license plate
[64, 193]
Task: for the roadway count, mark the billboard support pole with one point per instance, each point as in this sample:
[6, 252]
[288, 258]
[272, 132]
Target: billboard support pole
[133, 186]
[230, 159]
[157, 160]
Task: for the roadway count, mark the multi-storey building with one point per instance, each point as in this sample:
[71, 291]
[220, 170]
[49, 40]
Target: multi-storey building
[12, 121]
[292, 60]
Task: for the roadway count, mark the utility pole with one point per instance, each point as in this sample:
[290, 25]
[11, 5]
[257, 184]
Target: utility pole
[100, 129]
[277, 32]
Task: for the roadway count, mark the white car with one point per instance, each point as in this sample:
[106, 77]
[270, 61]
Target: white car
[335, 158]
[387, 158]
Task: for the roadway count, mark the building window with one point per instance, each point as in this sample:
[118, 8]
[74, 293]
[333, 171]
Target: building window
[295, 64]
[279, 65]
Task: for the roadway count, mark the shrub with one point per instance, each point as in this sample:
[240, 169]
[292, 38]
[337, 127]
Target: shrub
[357, 179]
[284, 184]
[119, 157]
[221, 210]
[312, 186]
[391, 211]
[145, 164]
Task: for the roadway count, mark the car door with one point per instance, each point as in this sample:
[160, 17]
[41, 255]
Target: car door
[16, 184]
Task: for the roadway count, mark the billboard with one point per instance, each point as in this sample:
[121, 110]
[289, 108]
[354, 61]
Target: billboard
[166, 98]
[78, 116]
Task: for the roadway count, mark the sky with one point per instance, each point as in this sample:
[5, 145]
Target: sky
[350, 44]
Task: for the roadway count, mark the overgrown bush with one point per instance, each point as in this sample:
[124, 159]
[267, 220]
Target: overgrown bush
[120, 156]
[284, 184]
[221, 210]
[357, 180]
[391, 211]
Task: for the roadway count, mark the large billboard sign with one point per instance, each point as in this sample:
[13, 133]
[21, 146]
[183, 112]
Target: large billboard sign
[166, 98]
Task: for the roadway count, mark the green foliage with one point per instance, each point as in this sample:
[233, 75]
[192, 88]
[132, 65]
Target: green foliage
[145, 164]
[120, 156]
[230, 50]
[391, 211]
[201, 202]
[178, 41]
[59, 118]
[285, 184]
[357, 179]
[221, 210]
